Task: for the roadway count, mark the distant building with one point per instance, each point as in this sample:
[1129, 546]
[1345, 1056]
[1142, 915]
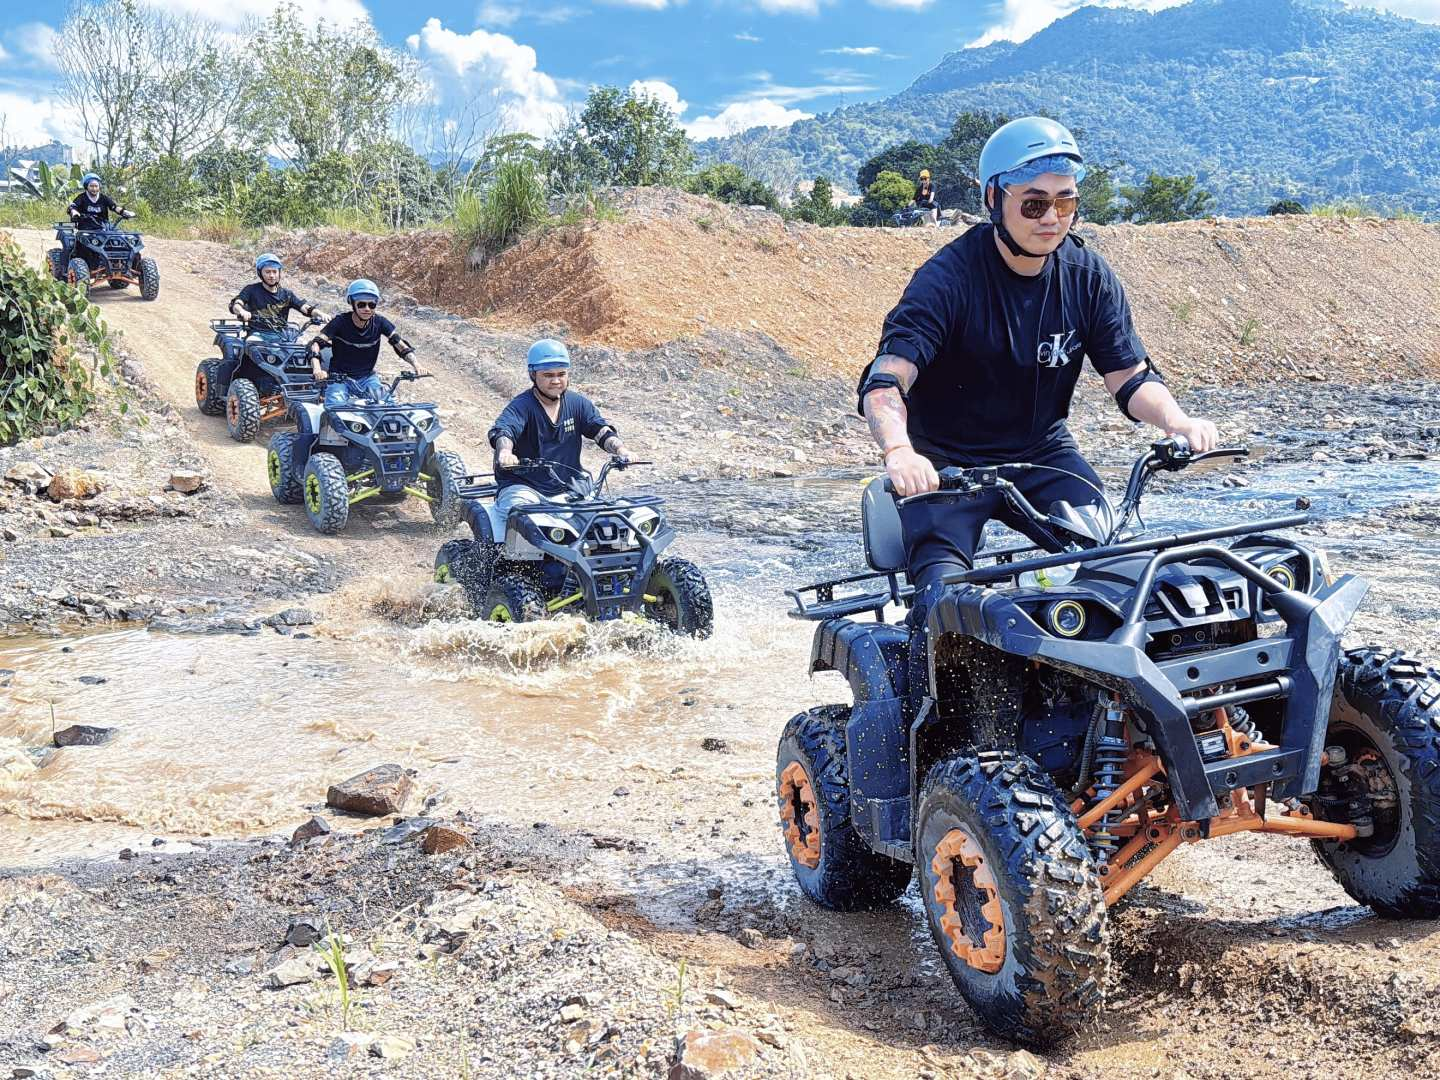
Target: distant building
[26, 161]
[837, 197]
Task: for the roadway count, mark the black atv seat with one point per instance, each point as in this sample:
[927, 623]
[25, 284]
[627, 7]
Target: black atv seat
[880, 526]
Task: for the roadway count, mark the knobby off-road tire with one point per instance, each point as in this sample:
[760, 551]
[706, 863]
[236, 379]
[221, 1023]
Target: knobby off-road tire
[470, 564]
[242, 410]
[446, 468]
[326, 493]
[1388, 703]
[1012, 896]
[513, 597]
[149, 279]
[78, 274]
[55, 259]
[279, 466]
[207, 397]
[833, 865]
[684, 602]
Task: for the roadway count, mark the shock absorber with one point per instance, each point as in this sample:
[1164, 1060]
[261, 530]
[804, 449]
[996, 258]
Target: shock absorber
[1111, 750]
[1243, 725]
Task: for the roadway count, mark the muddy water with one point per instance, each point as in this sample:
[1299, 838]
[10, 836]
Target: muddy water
[233, 735]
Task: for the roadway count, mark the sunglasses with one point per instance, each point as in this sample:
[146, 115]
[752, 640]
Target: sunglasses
[365, 305]
[1035, 207]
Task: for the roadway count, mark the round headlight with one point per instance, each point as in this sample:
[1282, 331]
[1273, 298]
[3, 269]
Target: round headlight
[649, 525]
[357, 427]
[1283, 574]
[1066, 618]
[556, 534]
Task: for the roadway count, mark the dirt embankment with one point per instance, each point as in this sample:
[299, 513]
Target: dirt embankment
[1227, 301]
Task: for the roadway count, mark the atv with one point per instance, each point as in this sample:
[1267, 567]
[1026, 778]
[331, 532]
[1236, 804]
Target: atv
[107, 254]
[363, 450]
[1084, 708]
[585, 551]
[255, 383]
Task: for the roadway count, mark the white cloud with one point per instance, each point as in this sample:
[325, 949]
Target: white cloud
[749, 37]
[491, 13]
[30, 120]
[1423, 10]
[662, 92]
[790, 7]
[855, 50]
[908, 5]
[489, 70]
[741, 116]
[3, 54]
[793, 95]
[1025, 18]
[238, 12]
[35, 42]
[648, 5]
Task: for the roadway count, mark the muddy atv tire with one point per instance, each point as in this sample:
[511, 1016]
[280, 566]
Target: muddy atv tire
[832, 864]
[1012, 896]
[149, 279]
[326, 493]
[1387, 711]
[470, 564]
[279, 466]
[55, 259]
[207, 396]
[513, 597]
[78, 274]
[682, 598]
[242, 410]
[446, 470]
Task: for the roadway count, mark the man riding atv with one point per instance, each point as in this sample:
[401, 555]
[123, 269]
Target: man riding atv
[354, 341]
[91, 208]
[546, 423]
[265, 305]
[979, 360]
[926, 197]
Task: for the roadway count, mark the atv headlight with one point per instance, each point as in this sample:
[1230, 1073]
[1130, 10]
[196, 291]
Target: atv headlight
[648, 526]
[556, 534]
[1283, 574]
[1066, 618]
[354, 421]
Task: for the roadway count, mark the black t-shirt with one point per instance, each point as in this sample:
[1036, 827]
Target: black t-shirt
[354, 351]
[93, 212]
[525, 423]
[925, 195]
[269, 311]
[1000, 353]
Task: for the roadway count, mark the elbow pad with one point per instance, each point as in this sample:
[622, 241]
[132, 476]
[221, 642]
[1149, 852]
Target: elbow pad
[1131, 385]
[604, 434]
[876, 380]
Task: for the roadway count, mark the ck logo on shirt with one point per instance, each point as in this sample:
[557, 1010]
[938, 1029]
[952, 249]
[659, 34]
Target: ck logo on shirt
[1054, 352]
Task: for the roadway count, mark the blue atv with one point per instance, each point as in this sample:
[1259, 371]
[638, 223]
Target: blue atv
[364, 450]
[1077, 711]
[252, 384]
[584, 551]
[107, 254]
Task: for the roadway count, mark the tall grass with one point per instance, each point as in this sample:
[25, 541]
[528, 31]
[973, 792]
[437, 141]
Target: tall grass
[513, 204]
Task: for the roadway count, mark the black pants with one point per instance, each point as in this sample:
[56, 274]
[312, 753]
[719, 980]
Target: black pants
[941, 537]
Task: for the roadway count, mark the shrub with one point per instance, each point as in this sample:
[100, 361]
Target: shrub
[512, 204]
[728, 183]
[890, 192]
[42, 381]
[1285, 206]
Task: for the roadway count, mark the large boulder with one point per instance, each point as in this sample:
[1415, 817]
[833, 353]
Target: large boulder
[374, 793]
[74, 484]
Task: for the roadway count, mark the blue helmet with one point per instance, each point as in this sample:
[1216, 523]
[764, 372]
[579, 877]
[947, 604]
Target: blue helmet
[268, 258]
[85, 180]
[1023, 141]
[547, 354]
[362, 288]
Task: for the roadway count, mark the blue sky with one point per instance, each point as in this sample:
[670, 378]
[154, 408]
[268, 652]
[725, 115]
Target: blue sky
[723, 65]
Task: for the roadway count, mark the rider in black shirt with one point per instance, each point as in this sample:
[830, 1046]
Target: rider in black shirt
[353, 338]
[91, 208]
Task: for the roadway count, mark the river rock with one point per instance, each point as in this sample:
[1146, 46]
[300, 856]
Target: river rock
[186, 481]
[438, 839]
[292, 616]
[74, 484]
[392, 1046]
[708, 1055]
[84, 735]
[30, 475]
[101, 1017]
[374, 793]
[293, 972]
[304, 930]
[316, 826]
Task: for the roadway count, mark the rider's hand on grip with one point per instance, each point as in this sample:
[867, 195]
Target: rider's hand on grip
[506, 459]
[909, 474]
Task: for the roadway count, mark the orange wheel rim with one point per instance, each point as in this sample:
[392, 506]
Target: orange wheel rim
[800, 815]
[232, 409]
[970, 917]
[201, 387]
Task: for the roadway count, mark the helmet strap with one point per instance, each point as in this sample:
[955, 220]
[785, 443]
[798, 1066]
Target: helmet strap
[997, 218]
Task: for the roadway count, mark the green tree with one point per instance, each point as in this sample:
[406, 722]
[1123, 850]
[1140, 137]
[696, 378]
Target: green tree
[1286, 206]
[1165, 198]
[906, 158]
[728, 183]
[167, 185]
[1097, 195]
[890, 192]
[819, 207]
[620, 137]
[322, 90]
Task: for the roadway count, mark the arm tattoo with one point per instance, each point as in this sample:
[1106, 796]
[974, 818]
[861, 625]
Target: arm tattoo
[885, 408]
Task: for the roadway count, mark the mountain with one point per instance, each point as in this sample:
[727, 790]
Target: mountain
[1261, 99]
